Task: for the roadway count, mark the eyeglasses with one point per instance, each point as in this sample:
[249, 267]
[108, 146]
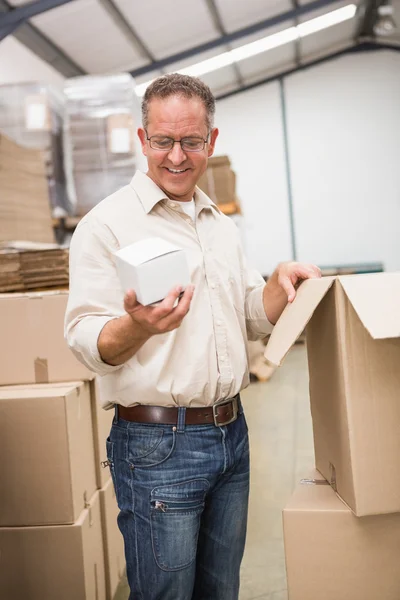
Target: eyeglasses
[165, 144]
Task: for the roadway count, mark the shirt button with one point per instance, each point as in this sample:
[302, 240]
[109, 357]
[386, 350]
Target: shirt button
[172, 205]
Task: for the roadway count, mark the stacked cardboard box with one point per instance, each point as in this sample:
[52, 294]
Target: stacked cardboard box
[24, 200]
[31, 268]
[353, 344]
[57, 507]
[100, 129]
[31, 114]
[219, 183]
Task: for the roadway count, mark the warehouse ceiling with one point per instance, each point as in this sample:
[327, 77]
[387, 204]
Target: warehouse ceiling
[151, 37]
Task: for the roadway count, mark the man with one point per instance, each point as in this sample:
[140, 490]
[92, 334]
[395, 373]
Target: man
[178, 448]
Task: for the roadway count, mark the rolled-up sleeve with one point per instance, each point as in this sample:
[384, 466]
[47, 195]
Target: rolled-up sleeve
[95, 295]
[257, 323]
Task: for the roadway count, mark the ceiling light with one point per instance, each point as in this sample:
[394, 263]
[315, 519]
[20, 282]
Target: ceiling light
[267, 43]
[385, 23]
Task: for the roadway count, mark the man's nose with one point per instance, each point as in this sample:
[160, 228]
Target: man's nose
[176, 154]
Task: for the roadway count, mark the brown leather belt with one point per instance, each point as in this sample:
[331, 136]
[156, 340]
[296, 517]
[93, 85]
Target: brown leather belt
[221, 413]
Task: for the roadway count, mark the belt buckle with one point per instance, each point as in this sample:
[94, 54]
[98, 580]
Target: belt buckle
[235, 410]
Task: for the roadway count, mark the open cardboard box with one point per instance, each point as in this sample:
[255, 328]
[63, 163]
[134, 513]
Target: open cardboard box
[353, 345]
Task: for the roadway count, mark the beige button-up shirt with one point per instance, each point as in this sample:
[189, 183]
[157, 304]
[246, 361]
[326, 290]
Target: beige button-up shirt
[205, 359]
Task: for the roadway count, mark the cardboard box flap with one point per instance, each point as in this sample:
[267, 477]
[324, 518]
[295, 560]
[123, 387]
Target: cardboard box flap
[295, 317]
[376, 299]
[146, 250]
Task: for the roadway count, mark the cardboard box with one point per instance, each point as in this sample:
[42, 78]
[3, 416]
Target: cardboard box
[152, 267]
[55, 562]
[333, 555]
[114, 553]
[33, 348]
[102, 421]
[48, 472]
[354, 363]
[25, 212]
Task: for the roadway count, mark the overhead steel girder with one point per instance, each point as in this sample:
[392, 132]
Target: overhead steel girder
[236, 35]
[23, 13]
[40, 45]
[216, 17]
[8, 30]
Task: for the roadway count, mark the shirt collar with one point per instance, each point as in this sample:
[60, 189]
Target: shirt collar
[150, 194]
[203, 201]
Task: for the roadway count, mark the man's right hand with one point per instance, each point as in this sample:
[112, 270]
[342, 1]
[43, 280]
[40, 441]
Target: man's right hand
[121, 338]
[165, 316]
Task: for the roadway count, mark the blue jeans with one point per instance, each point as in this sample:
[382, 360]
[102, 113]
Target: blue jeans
[183, 496]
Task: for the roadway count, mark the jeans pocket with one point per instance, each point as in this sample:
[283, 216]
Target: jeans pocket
[175, 522]
[149, 446]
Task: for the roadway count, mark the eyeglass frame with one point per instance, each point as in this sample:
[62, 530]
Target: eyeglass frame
[205, 141]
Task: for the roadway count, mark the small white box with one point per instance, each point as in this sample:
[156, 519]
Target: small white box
[151, 268]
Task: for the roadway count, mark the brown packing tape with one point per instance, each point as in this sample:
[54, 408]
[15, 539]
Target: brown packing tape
[41, 370]
[333, 476]
[314, 482]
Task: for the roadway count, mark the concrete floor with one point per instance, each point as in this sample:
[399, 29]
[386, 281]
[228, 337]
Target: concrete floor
[279, 421]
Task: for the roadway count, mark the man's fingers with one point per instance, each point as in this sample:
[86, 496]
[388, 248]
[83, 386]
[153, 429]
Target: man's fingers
[309, 271]
[286, 283]
[181, 310]
[130, 301]
[165, 308]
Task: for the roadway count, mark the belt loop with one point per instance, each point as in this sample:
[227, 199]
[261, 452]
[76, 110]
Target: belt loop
[116, 413]
[181, 419]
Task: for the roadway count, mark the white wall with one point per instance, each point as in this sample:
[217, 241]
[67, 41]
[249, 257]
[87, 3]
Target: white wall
[250, 127]
[343, 133]
[344, 143]
[19, 64]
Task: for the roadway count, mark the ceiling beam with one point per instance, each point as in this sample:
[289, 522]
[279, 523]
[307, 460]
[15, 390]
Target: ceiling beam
[129, 32]
[216, 17]
[236, 35]
[26, 11]
[8, 30]
[297, 49]
[355, 49]
[39, 44]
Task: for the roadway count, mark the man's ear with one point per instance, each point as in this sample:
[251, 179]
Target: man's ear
[142, 137]
[213, 138]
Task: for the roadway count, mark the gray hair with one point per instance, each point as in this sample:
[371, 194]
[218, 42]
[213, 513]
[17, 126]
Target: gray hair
[175, 84]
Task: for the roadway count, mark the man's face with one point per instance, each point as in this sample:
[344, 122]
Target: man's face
[176, 171]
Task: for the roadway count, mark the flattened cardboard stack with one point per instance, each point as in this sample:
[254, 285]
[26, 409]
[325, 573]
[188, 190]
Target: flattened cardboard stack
[353, 343]
[24, 200]
[23, 269]
[100, 129]
[219, 183]
[57, 508]
[31, 114]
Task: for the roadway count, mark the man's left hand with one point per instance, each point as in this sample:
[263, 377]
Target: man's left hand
[281, 286]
